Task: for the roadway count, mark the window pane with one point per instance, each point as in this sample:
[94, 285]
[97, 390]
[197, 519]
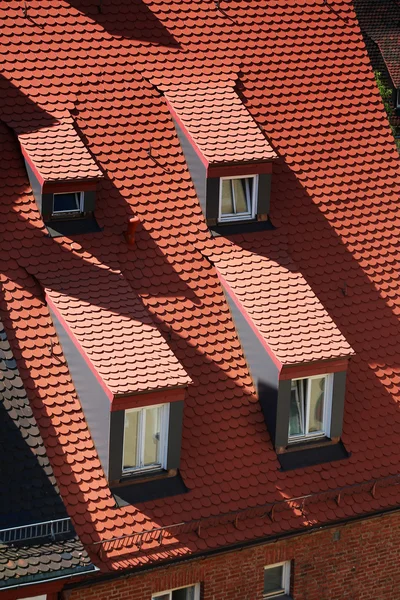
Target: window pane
[66, 202]
[130, 439]
[152, 436]
[163, 597]
[184, 593]
[273, 580]
[317, 394]
[241, 199]
[296, 415]
[226, 198]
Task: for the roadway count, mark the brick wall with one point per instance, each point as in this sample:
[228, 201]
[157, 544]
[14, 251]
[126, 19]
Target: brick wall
[363, 564]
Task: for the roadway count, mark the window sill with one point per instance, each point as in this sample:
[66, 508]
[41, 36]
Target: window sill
[280, 597]
[58, 227]
[307, 454]
[311, 443]
[137, 490]
[143, 476]
[248, 226]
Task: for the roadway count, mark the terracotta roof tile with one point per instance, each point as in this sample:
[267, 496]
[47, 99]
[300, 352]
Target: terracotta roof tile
[111, 325]
[278, 299]
[58, 153]
[335, 190]
[219, 123]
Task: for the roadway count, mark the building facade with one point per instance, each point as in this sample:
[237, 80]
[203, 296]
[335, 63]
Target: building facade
[200, 290]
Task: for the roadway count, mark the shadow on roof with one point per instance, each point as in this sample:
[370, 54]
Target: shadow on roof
[130, 19]
[19, 112]
[28, 488]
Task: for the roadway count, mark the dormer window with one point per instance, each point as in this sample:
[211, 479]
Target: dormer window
[64, 179]
[310, 408]
[145, 439]
[238, 198]
[67, 204]
[229, 157]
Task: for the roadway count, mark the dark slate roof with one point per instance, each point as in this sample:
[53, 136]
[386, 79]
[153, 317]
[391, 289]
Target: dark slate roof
[29, 490]
[29, 493]
[34, 563]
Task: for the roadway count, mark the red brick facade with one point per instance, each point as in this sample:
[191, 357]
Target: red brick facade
[363, 564]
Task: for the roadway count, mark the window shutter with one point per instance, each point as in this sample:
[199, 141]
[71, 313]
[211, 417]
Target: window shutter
[116, 444]
[213, 184]
[89, 201]
[338, 394]
[264, 194]
[282, 413]
[174, 434]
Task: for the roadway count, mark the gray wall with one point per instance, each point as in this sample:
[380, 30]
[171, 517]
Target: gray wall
[263, 370]
[93, 398]
[338, 396]
[35, 185]
[196, 168]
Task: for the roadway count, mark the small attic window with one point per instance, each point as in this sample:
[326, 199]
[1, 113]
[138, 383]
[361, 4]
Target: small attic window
[67, 204]
[238, 198]
[310, 408]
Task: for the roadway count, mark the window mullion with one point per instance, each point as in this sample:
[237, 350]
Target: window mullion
[233, 197]
[141, 437]
[300, 395]
[248, 199]
[308, 398]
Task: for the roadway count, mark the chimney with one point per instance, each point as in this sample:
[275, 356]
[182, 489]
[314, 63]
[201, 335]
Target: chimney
[130, 232]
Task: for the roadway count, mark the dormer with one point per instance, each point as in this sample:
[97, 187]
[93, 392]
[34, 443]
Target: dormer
[297, 356]
[228, 156]
[63, 176]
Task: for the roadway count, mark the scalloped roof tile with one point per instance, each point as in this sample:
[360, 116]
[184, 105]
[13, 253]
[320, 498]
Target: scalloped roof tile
[58, 153]
[219, 123]
[278, 299]
[335, 190]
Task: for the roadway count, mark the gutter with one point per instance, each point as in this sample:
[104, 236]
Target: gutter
[229, 549]
[43, 579]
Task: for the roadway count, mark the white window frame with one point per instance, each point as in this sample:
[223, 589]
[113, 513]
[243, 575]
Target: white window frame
[253, 200]
[69, 212]
[285, 579]
[326, 423]
[163, 450]
[196, 591]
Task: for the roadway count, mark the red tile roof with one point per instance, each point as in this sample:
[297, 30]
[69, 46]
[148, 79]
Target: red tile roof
[58, 153]
[334, 196]
[218, 123]
[110, 324]
[278, 299]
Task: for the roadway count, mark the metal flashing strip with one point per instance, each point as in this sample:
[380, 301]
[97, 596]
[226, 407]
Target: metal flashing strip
[35, 531]
[24, 582]
[162, 535]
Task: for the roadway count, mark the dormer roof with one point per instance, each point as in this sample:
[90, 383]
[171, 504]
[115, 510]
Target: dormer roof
[218, 123]
[108, 322]
[276, 299]
[57, 154]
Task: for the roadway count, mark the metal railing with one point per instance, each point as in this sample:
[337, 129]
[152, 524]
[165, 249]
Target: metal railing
[135, 542]
[45, 529]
